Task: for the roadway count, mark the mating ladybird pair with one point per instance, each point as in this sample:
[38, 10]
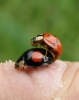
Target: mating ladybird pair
[38, 56]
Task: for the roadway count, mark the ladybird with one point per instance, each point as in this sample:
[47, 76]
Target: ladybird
[34, 57]
[50, 42]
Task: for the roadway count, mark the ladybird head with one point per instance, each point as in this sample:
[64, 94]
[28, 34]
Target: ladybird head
[36, 40]
[19, 64]
[16, 65]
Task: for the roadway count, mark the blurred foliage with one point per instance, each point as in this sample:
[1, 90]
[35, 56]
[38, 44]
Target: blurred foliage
[20, 20]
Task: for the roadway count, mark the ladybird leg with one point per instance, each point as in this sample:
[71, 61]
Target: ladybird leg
[22, 68]
[53, 55]
[47, 66]
[22, 64]
[17, 65]
[46, 54]
[17, 68]
[36, 69]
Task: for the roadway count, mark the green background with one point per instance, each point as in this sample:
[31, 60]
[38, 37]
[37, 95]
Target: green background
[21, 20]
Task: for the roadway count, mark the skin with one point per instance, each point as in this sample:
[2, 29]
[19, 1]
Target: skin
[58, 81]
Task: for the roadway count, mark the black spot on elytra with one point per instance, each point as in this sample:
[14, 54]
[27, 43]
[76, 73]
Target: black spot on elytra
[57, 41]
[53, 44]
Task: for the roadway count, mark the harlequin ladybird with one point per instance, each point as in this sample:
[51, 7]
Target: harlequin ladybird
[34, 57]
[50, 42]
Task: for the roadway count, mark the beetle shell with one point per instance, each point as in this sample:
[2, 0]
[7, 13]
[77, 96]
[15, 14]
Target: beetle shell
[34, 57]
[53, 44]
[50, 42]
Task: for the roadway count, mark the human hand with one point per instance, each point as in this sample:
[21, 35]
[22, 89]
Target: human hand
[58, 81]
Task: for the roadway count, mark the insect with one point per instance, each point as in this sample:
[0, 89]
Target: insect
[34, 57]
[50, 42]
